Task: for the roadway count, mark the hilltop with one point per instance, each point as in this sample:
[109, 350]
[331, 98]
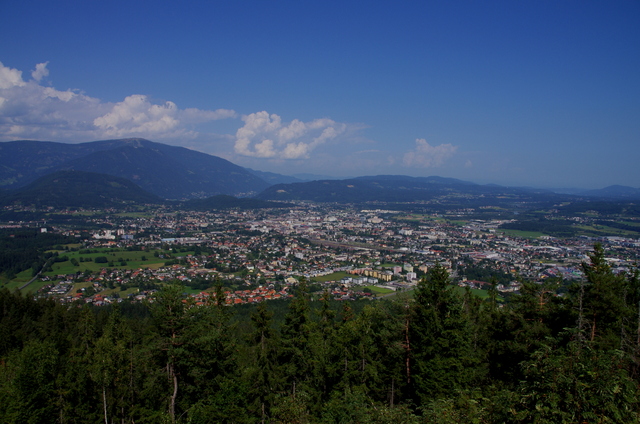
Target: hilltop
[64, 189]
[169, 172]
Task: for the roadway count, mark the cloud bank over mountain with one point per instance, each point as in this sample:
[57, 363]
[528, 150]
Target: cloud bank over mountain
[34, 109]
[29, 109]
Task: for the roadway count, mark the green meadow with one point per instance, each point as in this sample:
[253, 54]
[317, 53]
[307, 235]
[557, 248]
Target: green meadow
[522, 234]
[378, 290]
[85, 261]
[335, 276]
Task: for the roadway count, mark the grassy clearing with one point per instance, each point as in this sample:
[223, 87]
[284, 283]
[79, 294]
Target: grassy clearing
[86, 263]
[416, 217]
[122, 293]
[336, 276]
[482, 294]
[631, 223]
[522, 234]
[458, 222]
[411, 218]
[603, 230]
[190, 290]
[132, 260]
[19, 280]
[35, 286]
[403, 293]
[378, 290]
[135, 214]
[69, 247]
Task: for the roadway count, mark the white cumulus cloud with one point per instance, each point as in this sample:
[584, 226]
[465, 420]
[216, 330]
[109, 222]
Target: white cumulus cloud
[31, 110]
[40, 72]
[10, 77]
[428, 156]
[264, 135]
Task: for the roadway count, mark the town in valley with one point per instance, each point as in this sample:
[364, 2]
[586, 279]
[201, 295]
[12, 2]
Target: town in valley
[258, 254]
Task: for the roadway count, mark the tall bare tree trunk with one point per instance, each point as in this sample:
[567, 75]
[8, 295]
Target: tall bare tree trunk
[174, 395]
[391, 398]
[407, 347]
[104, 404]
[638, 331]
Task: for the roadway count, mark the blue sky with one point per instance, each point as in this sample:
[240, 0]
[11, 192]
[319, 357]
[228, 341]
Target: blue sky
[537, 93]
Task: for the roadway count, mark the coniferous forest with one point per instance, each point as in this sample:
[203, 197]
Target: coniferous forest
[437, 356]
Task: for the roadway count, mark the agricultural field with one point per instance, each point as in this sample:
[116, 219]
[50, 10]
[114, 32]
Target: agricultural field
[21, 279]
[414, 217]
[520, 233]
[71, 260]
[605, 230]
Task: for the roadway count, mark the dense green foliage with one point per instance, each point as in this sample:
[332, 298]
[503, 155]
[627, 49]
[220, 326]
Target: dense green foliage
[22, 249]
[557, 227]
[437, 357]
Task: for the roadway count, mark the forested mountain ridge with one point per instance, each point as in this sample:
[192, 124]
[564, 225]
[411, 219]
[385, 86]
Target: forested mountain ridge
[222, 201]
[79, 189]
[439, 357]
[167, 171]
[616, 192]
[74, 189]
[401, 188]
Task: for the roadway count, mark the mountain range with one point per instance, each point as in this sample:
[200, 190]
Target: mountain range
[30, 169]
[169, 172]
[617, 192]
[64, 189]
[80, 189]
[394, 188]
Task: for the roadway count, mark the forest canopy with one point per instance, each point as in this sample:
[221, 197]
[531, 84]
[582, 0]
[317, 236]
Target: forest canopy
[438, 356]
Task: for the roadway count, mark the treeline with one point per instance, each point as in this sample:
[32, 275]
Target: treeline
[23, 249]
[483, 273]
[436, 357]
[555, 227]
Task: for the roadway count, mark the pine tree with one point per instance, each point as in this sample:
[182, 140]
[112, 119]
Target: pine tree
[322, 344]
[28, 384]
[168, 312]
[294, 352]
[442, 358]
[263, 378]
[603, 307]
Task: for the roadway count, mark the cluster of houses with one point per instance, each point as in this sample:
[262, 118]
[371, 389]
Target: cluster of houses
[260, 247]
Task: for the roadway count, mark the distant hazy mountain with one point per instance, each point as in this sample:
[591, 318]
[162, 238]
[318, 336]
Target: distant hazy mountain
[273, 178]
[64, 189]
[393, 188]
[223, 201]
[315, 177]
[616, 192]
[168, 171]
[567, 190]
